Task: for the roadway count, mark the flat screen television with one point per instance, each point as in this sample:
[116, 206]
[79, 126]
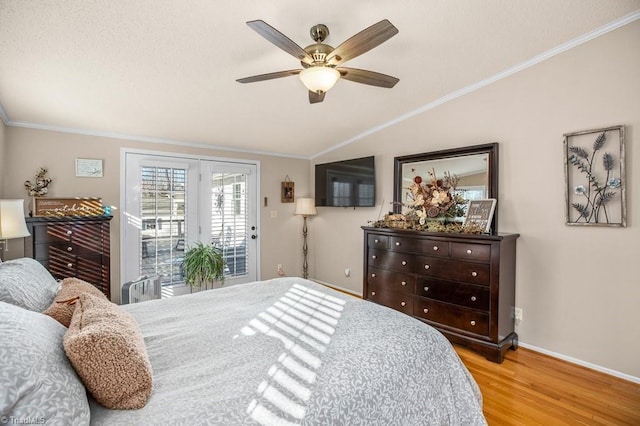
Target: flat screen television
[348, 183]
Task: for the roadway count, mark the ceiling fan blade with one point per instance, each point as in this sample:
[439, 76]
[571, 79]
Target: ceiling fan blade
[362, 42]
[371, 78]
[315, 97]
[270, 76]
[280, 40]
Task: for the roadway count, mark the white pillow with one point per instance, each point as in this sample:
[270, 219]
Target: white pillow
[26, 283]
[37, 381]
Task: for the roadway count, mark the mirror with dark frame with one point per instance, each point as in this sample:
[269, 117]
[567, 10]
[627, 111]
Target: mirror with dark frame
[475, 166]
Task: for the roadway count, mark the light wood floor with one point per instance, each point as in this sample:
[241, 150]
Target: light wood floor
[530, 388]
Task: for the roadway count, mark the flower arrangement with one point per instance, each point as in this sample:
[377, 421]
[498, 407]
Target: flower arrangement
[436, 198]
[432, 206]
[39, 187]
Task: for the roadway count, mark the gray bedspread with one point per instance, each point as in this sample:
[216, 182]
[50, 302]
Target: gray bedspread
[290, 351]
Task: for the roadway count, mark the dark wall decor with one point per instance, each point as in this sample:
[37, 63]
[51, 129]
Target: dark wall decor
[595, 177]
[287, 190]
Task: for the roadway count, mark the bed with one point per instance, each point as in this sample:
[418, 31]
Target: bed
[287, 351]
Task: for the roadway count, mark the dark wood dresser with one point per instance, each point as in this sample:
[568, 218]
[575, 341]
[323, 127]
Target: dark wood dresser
[461, 284]
[72, 247]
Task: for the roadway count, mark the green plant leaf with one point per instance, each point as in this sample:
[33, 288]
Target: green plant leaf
[203, 264]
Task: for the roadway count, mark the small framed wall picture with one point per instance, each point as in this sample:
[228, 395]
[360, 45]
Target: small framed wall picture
[480, 213]
[88, 167]
[287, 191]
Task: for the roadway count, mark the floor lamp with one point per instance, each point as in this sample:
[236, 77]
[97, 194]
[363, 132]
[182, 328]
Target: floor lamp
[305, 207]
[12, 223]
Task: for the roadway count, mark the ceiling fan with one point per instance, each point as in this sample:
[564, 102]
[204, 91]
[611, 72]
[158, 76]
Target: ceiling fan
[321, 63]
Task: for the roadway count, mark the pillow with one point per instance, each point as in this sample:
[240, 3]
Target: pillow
[64, 303]
[36, 380]
[26, 283]
[107, 351]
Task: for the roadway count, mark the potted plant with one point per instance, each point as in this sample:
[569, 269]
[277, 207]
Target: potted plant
[203, 264]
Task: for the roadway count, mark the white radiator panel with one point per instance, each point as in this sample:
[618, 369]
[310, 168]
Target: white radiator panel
[140, 290]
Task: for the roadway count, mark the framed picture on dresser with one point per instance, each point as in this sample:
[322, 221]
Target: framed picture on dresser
[480, 213]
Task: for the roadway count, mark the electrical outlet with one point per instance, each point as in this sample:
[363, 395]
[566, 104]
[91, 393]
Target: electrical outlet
[280, 270]
[517, 313]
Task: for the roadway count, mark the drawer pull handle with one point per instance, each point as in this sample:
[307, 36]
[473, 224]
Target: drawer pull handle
[469, 251]
[373, 275]
[427, 266]
[403, 303]
[404, 263]
[425, 310]
[374, 256]
[69, 232]
[473, 323]
[474, 274]
[69, 265]
[436, 248]
[69, 248]
[397, 243]
[403, 283]
[376, 241]
[373, 293]
[426, 289]
[473, 298]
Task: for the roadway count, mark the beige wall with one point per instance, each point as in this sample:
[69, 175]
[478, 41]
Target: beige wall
[28, 149]
[578, 286]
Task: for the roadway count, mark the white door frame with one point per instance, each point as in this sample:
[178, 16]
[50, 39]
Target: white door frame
[176, 156]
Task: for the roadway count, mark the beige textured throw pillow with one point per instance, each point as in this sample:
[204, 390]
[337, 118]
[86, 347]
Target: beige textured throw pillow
[64, 303]
[106, 348]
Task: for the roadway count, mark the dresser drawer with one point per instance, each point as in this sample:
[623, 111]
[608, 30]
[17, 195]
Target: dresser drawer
[420, 245]
[44, 251]
[470, 296]
[452, 316]
[381, 279]
[473, 273]
[398, 301]
[400, 262]
[467, 251]
[378, 241]
[52, 233]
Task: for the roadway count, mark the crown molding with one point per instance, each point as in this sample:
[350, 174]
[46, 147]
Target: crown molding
[627, 19]
[148, 139]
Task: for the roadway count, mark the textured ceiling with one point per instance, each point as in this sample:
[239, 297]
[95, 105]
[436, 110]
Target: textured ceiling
[166, 70]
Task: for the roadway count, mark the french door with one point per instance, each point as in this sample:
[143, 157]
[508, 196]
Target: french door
[172, 202]
[228, 205]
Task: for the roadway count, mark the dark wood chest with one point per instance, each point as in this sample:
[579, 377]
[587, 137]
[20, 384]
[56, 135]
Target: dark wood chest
[461, 284]
[72, 247]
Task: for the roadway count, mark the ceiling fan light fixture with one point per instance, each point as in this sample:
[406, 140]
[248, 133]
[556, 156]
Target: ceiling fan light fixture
[319, 79]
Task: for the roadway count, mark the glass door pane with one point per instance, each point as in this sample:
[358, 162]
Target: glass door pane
[162, 210]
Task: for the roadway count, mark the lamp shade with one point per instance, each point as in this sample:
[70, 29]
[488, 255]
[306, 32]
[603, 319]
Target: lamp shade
[306, 207]
[12, 223]
[319, 79]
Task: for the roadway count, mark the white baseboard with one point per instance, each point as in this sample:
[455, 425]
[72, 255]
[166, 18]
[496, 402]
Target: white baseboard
[582, 363]
[336, 287]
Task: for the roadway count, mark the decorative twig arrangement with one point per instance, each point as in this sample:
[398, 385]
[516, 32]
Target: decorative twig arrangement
[599, 199]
